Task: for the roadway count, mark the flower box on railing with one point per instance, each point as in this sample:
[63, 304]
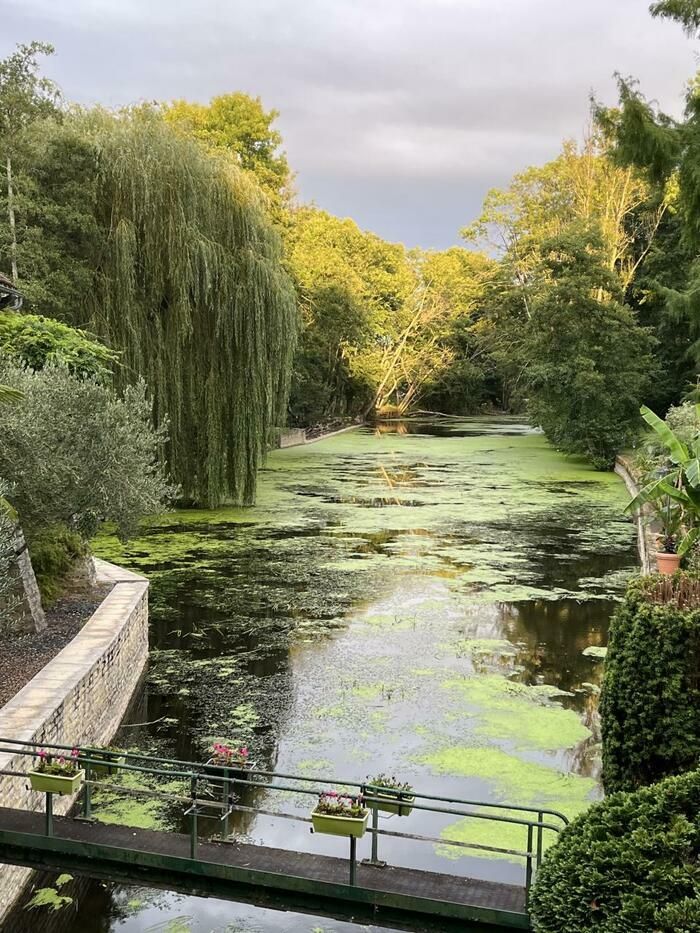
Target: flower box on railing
[340, 815]
[47, 783]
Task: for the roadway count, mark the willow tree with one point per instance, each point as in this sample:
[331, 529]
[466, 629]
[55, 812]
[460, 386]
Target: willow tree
[187, 283]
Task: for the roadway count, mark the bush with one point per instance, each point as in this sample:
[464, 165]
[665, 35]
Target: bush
[36, 341]
[627, 865]
[53, 552]
[74, 453]
[650, 705]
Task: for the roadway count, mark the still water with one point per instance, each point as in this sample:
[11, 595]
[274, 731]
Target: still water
[413, 599]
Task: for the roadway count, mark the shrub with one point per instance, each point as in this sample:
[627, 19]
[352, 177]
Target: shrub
[74, 453]
[627, 865]
[650, 705]
[54, 550]
[36, 341]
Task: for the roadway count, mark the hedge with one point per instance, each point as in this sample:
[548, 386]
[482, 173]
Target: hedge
[630, 864]
[650, 704]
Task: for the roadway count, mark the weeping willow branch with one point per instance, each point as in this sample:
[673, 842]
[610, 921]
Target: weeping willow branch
[190, 286]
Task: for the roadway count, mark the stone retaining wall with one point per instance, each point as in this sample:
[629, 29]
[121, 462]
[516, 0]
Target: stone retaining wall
[80, 697]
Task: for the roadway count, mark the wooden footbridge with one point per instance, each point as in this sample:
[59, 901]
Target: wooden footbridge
[339, 887]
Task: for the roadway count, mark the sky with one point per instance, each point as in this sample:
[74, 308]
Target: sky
[398, 113]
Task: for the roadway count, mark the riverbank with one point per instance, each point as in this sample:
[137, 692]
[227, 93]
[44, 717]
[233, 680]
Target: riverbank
[79, 697]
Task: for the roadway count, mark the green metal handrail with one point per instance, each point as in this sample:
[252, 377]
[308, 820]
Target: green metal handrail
[196, 771]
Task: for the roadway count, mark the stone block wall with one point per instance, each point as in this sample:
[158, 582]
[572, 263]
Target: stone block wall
[80, 697]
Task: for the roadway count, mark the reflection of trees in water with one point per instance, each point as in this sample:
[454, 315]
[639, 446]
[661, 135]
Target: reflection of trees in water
[555, 634]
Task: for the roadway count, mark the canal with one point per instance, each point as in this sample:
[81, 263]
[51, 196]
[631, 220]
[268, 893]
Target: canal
[414, 599]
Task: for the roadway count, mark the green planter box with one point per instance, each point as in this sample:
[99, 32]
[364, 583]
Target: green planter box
[340, 825]
[392, 803]
[56, 783]
[110, 766]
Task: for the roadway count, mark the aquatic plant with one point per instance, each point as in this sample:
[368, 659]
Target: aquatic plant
[332, 803]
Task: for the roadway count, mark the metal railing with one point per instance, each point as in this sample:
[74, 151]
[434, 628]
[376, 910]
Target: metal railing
[200, 777]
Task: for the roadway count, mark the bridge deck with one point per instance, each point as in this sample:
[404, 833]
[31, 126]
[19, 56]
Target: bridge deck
[402, 889]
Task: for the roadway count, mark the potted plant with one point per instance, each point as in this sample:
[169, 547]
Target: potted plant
[57, 775]
[340, 815]
[395, 796]
[673, 492]
[235, 760]
[109, 754]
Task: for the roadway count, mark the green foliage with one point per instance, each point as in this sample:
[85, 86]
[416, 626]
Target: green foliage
[37, 341]
[686, 12]
[674, 490]
[166, 252]
[588, 359]
[74, 453]
[627, 865]
[25, 96]
[54, 551]
[650, 706]
[237, 124]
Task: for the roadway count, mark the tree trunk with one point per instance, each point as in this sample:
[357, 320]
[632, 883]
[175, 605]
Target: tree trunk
[11, 215]
[31, 612]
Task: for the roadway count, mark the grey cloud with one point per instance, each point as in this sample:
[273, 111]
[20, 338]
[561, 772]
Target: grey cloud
[399, 113]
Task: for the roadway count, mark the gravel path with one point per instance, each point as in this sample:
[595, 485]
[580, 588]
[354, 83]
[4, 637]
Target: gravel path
[23, 655]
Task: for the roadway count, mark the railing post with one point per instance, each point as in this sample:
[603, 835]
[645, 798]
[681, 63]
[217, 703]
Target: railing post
[225, 801]
[353, 861]
[528, 864]
[87, 796]
[49, 814]
[540, 820]
[375, 835]
[193, 814]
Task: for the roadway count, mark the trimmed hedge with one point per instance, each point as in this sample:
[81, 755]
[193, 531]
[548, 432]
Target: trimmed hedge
[650, 705]
[630, 864]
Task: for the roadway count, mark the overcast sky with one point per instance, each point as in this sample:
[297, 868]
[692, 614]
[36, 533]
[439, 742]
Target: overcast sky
[398, 113]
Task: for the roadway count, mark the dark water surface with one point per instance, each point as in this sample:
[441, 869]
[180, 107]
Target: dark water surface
[414, 599]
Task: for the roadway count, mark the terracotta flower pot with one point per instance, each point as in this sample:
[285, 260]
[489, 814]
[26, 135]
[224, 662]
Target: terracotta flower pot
[667, 563]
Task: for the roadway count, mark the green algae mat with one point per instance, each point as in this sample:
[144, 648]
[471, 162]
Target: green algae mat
[414, 600]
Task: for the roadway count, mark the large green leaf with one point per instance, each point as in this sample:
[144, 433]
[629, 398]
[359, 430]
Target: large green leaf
[652, 492]
[678, 451]
[692, 471]
[688, 541]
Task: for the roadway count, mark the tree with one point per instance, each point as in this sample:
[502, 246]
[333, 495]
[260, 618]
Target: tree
[24, 98]
[589, 361]
[166, 252]
[74, 453]
[238, 125]
[686, 12]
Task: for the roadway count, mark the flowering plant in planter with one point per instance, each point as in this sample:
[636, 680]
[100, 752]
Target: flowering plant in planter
[57, 775]
[340, 814]
[227, 756]
[398, 795]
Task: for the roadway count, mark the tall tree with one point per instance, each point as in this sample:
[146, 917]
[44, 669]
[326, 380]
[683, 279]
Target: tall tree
[167, 253]
[589, 359]
[237, 124]
[25, 96]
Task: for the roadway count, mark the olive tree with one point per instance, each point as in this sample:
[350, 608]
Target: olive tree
[74, 453]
